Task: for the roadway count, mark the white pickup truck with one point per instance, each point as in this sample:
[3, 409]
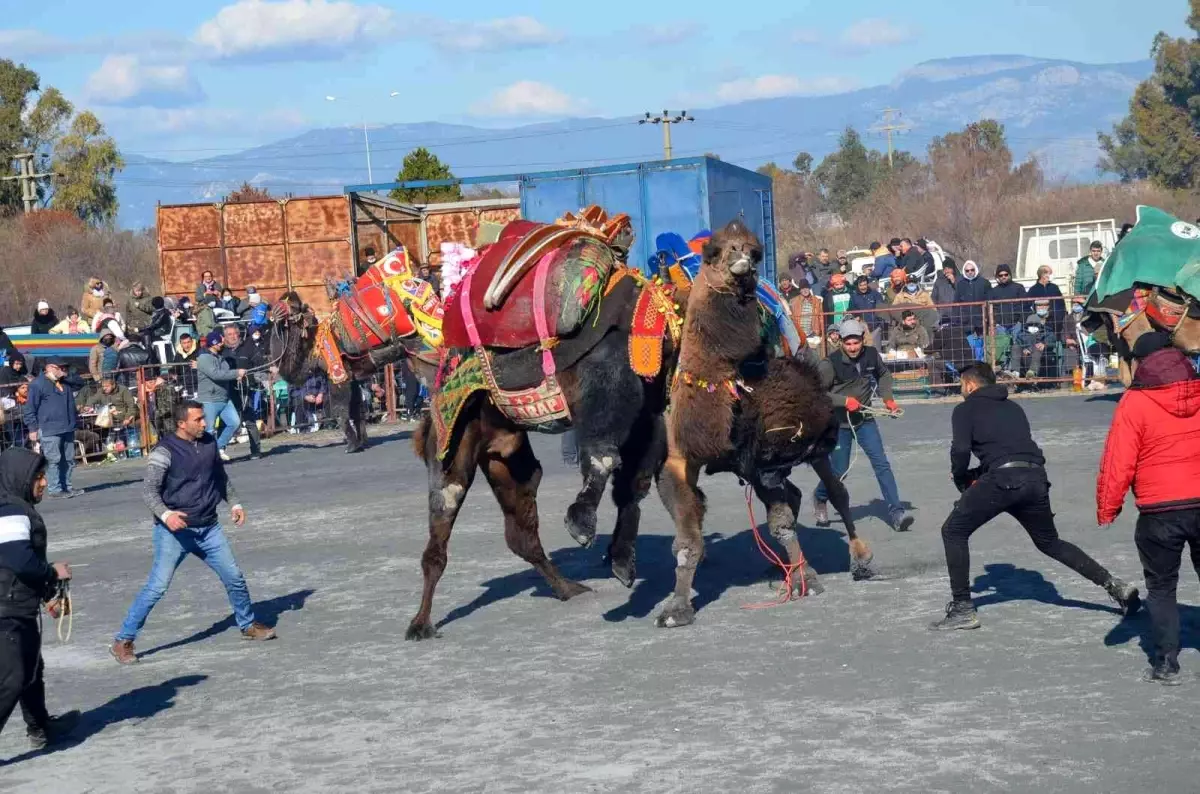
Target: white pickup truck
[1060, 245]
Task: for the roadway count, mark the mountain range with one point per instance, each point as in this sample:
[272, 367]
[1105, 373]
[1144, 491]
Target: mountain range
[1050, 108]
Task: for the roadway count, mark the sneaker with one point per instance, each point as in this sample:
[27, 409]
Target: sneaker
[122, 651]
[1163, 672]
[255, 456]
[258, 631]
[821, 512]
[959, 615]
[900, 519]
[1126, 595]
[225, 456]
[54, 731]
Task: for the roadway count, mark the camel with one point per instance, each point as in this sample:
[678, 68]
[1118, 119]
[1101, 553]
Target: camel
[587, 380]
[735, 410]
[295, 352]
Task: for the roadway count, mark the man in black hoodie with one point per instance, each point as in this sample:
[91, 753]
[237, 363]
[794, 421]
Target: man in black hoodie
[1011, 478]
[26, 581]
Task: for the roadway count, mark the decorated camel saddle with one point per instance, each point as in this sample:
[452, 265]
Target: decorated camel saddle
[383, 313]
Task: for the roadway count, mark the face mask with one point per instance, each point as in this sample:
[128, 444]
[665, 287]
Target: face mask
[1076, 309]
[969, 275]
[911, 287]
[97, 291]
[1042, 312]
[256, 337]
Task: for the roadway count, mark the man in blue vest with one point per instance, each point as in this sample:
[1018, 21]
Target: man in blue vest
[185, 482]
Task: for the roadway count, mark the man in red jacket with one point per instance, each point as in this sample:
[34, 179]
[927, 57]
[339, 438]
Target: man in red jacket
[1154, 445]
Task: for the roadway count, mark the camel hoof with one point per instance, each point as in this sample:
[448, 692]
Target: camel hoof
[572, 589]
[813, 582]
[624, 571]
[675, 614]
[861, 570]
[421, 631]
[581, 525]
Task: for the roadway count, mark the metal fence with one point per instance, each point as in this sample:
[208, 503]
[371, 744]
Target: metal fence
[1028, 351]
[102, 433]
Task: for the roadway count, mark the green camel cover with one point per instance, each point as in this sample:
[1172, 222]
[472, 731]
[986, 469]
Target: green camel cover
[1158, 250]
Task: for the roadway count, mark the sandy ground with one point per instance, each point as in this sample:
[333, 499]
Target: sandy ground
[846, 692]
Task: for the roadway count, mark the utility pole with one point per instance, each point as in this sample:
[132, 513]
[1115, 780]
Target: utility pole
[28, 180]
[666, 120]
[889, 128]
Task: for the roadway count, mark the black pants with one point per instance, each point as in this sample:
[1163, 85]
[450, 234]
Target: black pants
[250, 421]
[412, 389]
[21, 672]
[1025, 495]
[1160, 538]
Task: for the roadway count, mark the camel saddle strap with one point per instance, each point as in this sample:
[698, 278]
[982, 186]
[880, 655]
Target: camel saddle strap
[352, 302]
[327, 347]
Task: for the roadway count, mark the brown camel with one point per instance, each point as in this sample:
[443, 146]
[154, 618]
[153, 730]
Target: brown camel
[733, 409]
[1162, 309]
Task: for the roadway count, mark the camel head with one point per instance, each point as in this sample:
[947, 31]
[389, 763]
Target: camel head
[730, 259]
[293, 334]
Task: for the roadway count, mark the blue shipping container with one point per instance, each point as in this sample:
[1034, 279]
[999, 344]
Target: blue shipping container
[682, 196]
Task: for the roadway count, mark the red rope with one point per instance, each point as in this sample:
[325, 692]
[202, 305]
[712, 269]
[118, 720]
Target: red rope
[789, 569]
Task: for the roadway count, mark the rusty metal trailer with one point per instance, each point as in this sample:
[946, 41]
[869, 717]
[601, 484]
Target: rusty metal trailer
[295, 243]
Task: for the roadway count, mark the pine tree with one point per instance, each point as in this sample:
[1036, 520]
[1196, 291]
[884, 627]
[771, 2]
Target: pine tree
[1160, 138]
[423, 164]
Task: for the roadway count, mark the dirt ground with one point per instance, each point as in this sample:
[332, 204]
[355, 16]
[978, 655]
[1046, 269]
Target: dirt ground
[845, 692]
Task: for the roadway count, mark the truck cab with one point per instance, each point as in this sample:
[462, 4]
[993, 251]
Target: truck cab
[1060, 245]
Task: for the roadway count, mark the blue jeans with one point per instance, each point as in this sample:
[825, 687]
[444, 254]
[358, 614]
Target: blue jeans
[170, 548]
[231, 420]
[60, 460]
[871, 443]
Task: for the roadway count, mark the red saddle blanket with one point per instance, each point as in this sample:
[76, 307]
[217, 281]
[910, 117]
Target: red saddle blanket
[577, 268]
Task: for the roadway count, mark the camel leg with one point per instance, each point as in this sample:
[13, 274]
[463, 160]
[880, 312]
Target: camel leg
[685, 502]
[358, 415]
[447, 489]
[514, 474]
[597, 460]
[641, 457]
[839, 497]
[783, 505]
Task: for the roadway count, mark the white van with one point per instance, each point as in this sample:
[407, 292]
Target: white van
[1060, 245]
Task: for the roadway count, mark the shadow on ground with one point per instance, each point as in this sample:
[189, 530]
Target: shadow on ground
[1139, 626]
[137, 704]
[266, 612]
[1005, 582]
[729, 561]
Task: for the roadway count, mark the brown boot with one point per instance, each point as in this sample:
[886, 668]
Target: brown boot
[122, 651]
[258, 631]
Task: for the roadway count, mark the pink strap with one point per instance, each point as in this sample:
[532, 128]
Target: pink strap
[539, 308]
[464, 306]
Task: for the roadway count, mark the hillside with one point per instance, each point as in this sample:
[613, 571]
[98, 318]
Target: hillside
[1050, 108]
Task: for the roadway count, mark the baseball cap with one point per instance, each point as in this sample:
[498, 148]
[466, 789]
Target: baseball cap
[852, 328]
[214, 338]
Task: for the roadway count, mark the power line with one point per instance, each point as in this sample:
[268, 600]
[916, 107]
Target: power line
[666, 120]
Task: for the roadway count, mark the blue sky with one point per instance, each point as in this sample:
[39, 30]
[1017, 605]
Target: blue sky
[183, 79]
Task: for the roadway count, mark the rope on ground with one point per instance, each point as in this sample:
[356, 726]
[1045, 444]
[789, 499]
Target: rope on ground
[789, 569]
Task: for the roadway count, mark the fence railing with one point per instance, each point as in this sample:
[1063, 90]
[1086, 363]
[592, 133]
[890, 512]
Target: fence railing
[927, 351]
[103, 433]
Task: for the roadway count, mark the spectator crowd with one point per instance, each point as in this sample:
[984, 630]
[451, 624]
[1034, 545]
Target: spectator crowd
[921, 309]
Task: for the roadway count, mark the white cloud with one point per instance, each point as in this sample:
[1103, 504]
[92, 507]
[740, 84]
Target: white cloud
[128, 81]
[526, 98]
[876, 32]
[292, 28]
[493, 35]
[768, 86]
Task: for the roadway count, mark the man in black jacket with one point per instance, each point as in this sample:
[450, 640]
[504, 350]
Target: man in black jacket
[1011, 478]
[247, 355]
[26, 581]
